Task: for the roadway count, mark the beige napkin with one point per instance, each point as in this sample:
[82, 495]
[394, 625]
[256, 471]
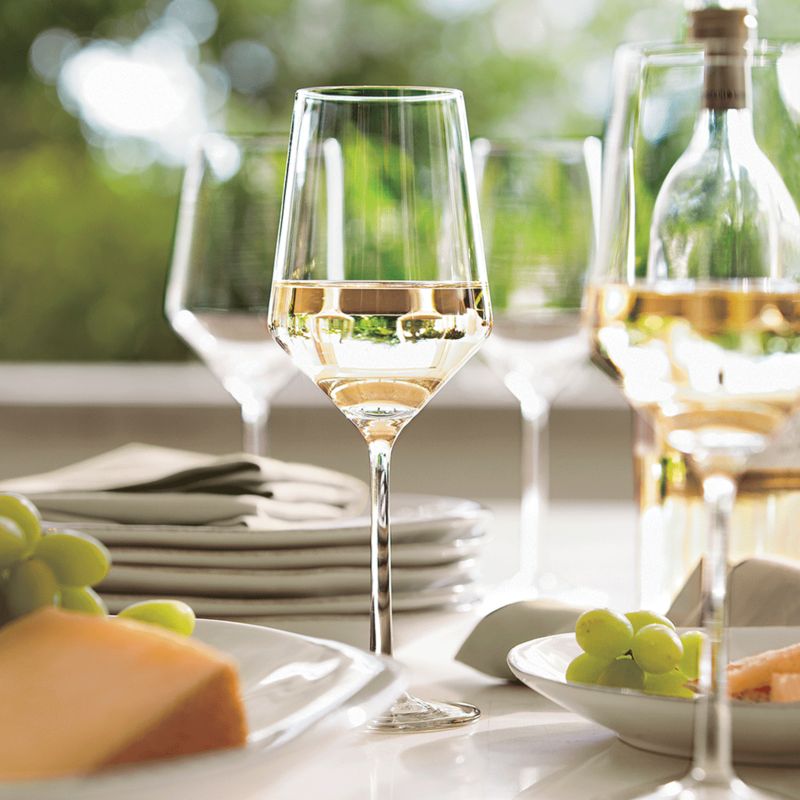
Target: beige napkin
[145, 484]
[760, 592]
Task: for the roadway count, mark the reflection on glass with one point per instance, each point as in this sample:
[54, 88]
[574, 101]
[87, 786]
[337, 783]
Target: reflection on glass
[219, 280]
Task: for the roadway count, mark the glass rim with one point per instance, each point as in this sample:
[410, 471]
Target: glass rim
[693, 54]
[382, 94]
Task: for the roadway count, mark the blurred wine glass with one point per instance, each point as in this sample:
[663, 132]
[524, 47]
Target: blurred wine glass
[219, 281]
[694, 300]
[538, 202]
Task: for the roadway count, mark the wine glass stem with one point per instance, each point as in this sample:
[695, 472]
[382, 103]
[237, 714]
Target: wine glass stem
[254, 425]
[712, 761]
[535, 415]
[380, 631]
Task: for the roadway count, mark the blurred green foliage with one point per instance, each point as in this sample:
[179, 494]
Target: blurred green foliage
[84, 249]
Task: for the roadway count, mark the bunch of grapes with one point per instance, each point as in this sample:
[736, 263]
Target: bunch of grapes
[59, 568]
[639, 650]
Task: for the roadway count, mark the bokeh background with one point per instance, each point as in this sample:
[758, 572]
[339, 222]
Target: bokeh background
[100, 99]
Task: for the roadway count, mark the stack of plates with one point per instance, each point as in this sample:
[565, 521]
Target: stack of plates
[321, 569]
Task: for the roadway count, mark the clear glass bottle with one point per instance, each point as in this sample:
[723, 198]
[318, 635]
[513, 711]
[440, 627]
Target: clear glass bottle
[721, 174]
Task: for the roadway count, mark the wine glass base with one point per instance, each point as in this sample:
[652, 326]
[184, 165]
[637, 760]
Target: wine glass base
[412, 715]
[690, 789]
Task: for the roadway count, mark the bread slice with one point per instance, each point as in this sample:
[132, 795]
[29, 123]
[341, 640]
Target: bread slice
[785, 687]
[755, 672]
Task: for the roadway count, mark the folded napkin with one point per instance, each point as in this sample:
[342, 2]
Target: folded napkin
[760, 592]
[145, 484]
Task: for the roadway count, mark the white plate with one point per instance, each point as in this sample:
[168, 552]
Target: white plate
[763, 733]
[415, 518]
[278, 583]
[411, 554]
[226, 607]
[289, 683]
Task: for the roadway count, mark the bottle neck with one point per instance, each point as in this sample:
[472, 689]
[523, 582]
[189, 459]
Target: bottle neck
[726, 83]
[730, 129]
[727, 35]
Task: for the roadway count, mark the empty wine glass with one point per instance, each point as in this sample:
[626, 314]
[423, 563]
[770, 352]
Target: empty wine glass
[380, 293]
[538, 202]
[694, 302]
[218, 287]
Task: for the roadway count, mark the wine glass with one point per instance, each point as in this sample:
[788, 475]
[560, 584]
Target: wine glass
[538, 202]
[380, 293]
[694, 300]
[224, 248]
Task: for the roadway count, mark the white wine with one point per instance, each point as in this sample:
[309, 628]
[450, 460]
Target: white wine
[719, 368]
[379, 350]
[673, 520]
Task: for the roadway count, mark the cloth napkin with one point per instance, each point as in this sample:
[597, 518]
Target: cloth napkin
[145, 484]
[760, 592]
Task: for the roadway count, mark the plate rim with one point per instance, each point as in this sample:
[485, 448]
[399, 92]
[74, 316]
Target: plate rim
[219, 762]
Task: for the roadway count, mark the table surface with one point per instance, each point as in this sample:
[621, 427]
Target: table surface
[523, 747]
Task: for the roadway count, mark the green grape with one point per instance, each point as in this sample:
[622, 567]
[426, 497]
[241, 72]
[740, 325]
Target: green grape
[585, 668]
[31, 585]
[171, 614]
[25, 514]
[75, 558]
[84, 599]
[692, 642]
[656, 648]
[12, 542]
[669, 684]
[603, 633]
[641, 618]
[623, 673]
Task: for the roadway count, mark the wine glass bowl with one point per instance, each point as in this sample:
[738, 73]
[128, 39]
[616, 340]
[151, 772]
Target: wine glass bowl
[538, 202]
[694, 300]
[379, 293]
[218, 286]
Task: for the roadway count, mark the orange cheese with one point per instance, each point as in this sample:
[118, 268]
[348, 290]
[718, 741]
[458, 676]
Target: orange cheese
[756, 671]
[785, 687]
[79, 693]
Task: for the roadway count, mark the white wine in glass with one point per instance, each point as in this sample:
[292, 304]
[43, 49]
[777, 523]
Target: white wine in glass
[224, 247]
[380, 293]
[694, 302]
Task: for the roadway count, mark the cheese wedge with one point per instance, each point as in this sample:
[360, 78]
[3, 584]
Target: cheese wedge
[785, 687]
[79, 693]
[756, 671]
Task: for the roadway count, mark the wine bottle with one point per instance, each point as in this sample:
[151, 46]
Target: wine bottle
[721, 205]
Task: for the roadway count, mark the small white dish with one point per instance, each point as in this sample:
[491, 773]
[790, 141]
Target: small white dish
[415, 518]
[226, 607]
[421, 554]
[289, 683]
[763, 733]
[279, 583]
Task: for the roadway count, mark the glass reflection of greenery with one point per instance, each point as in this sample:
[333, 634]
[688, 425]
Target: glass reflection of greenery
[537, 237]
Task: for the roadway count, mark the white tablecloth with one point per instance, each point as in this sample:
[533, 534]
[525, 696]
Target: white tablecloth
[523, 747]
